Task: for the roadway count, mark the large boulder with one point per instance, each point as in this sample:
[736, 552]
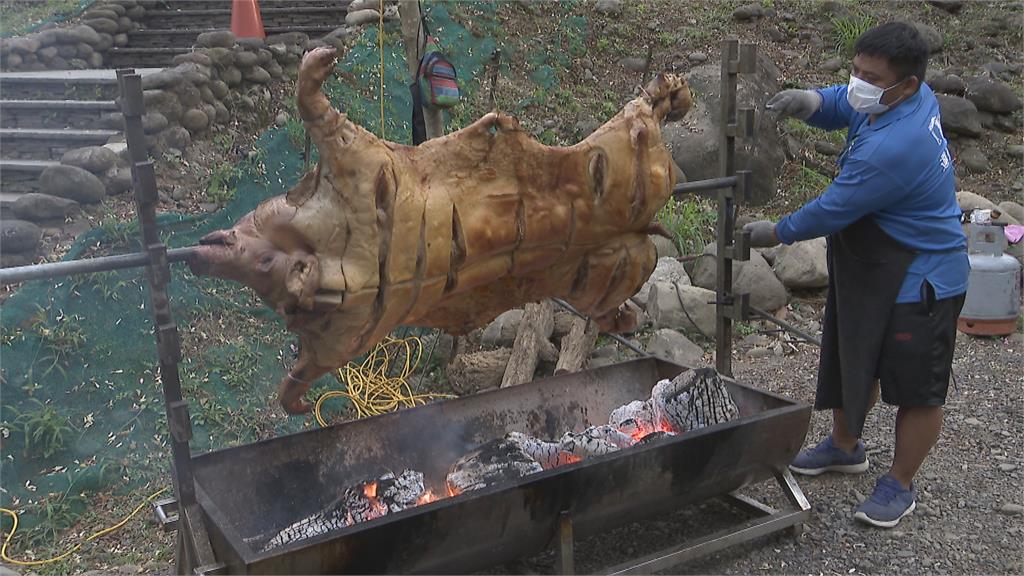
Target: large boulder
[687, 308]
[694, 140]
[42, 207]
[609, 7]
[362, 17]
[670, 345]
[667, 270]
[195, 120]
[802, 264]
[992, 96]
[95, 159]
[102, 25]
[959, 115]
[18, 236]
[1012, 208]
[73, 183]
[256, 74]
[754, 276]
[932, 37]
[216, 39]
[246, 59]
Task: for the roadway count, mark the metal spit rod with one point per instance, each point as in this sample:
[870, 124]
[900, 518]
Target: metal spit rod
[616, 337]
[87, 265]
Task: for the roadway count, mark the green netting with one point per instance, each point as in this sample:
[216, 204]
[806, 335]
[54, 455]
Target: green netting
[17, 19]
[80, 402]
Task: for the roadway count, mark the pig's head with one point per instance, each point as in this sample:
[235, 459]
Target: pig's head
[265, 252]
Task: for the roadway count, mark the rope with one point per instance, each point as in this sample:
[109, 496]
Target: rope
[372, 390]
[77, 547]
[380, 48]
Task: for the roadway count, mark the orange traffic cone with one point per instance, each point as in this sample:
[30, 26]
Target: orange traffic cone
[246, 21]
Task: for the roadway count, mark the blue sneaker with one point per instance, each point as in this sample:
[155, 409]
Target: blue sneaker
[888, 503]
[827, 457]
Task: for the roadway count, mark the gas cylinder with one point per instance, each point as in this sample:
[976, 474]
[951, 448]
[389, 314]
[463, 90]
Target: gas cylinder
[994, 287]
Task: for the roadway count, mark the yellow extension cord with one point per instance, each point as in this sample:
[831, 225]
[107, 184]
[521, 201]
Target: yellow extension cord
[77, 547]
[371, 390]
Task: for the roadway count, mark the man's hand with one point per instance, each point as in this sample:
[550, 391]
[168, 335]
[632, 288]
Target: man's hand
[796, 103]
[762, 234]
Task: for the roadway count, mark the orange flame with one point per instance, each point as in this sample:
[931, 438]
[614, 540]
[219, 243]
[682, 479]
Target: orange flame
[427, 497]
[370, 490]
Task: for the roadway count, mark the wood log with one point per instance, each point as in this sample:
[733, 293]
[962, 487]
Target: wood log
[535, 328]
[576, 346]
[471, 373]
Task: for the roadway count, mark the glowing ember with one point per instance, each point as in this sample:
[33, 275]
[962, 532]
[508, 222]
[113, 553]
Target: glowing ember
[370, 490]
[427, 497]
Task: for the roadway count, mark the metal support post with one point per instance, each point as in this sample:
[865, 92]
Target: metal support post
[736, 123]
[191, 531]
[566, 548]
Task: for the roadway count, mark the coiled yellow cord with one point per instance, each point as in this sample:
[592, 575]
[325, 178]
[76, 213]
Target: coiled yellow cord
[77, 547]
[371, 390]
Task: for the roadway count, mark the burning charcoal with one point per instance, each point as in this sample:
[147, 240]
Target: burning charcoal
[655, 436]
[547, 454]
[691, 400]
[635, 419]
[364, 501]
[492, 463]
[583, 445]
[610, 434]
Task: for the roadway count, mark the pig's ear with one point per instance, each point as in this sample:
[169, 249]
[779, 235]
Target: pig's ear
[303, 279]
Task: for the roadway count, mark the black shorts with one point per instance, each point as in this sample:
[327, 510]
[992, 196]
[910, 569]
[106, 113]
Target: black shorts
[917, 354]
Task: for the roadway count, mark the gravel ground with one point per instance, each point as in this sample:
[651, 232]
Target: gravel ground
[969, 518]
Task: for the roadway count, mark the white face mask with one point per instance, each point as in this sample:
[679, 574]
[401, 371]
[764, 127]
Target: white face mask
[865, 97]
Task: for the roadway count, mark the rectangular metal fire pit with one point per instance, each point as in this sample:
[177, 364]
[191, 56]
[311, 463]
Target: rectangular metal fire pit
[251, 492]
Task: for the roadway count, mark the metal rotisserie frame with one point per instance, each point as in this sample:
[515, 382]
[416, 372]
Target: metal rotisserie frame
[250, 492]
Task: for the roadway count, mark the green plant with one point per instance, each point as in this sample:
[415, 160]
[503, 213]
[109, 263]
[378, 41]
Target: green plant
[809, 184]
[118, 232]
[45, 429]
[220, 190]
[847, 30]
[224, 141]
[296, 132]
[59, 339]
[691, 222]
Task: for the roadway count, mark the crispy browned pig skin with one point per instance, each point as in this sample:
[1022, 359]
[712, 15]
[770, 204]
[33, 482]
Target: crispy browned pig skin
[451, 233]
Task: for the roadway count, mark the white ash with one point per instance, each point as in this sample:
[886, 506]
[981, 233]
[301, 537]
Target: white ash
[635, 418]
[547, 454]
[495, 462]
[693, 399]
[393, 494]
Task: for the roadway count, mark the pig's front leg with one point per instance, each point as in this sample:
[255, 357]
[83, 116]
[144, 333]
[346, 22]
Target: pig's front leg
[293, 387]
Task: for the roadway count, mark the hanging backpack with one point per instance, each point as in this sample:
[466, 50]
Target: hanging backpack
[437, 79]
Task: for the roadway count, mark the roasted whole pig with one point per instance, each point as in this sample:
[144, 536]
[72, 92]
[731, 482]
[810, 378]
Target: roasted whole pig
[451, 233]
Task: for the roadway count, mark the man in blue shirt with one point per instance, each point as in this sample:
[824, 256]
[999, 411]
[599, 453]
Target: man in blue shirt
[897, 259]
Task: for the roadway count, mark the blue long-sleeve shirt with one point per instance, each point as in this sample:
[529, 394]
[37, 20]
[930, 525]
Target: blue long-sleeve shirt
[899, 171]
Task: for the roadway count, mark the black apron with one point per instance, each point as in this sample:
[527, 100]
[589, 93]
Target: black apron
[866, 268]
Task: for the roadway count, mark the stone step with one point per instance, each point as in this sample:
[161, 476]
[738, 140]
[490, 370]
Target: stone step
[186, 38]
[264, 4]
[48, 144]
[64, 84]
[221, 17]
[83, 114]
[151, 57]
[21, 166]
[19, 176]
[7, 200]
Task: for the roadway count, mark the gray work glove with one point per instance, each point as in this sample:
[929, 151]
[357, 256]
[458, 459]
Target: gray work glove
[762, 234]
[796, 103]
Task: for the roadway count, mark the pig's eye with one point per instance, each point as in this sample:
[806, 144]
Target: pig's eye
[266, 261]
